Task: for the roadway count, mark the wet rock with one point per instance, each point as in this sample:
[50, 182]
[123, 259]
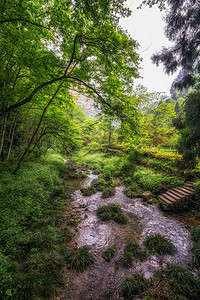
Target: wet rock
[146, 196]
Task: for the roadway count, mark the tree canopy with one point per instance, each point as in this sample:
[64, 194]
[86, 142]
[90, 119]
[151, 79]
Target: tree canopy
[182, 28]
[51, 47]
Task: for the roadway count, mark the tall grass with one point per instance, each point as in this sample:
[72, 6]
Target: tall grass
[31, 237]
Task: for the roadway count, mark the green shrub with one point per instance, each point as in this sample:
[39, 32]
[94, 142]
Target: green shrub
[88, 191]
[197, 190]
[183, 283]
[108, 192]
[136, 251]
[159, 244]
[196, 250]
[134, 285]
[108, 254]
[79, 259]
[111, 212]
[195, 233]
[74, 220]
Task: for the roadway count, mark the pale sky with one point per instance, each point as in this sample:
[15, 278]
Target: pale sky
[147, 27]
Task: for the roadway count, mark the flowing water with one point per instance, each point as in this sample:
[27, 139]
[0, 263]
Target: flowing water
[102, 279]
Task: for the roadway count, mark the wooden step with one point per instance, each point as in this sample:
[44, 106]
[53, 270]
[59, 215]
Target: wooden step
[181, 192]
[164, 199]
[189, 188]
[186, 190]
[189, 185]
[173, 195]
[177, 194]
[170, 198]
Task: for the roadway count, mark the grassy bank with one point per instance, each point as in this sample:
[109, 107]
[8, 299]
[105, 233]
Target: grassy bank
[126, 166]
[32, 238]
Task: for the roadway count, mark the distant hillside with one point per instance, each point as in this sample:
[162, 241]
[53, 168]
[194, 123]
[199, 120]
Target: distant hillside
[88, 105]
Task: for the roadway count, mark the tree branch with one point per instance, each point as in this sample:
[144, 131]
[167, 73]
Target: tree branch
[20, 19]
[73, 53]
[28, 99]
[94, 90]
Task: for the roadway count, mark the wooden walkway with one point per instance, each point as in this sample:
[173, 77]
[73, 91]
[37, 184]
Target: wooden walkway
[176, 198]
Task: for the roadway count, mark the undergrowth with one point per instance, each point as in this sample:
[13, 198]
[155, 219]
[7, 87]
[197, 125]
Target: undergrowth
[79, 259]
[111, 212]
[159, 244]
[174, 283]
[32, 238]
[195, 233]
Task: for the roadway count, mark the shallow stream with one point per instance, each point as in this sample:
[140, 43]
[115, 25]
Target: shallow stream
[102, 279]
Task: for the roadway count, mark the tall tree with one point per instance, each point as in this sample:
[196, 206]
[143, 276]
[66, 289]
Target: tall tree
[182, 28]
[76, 43]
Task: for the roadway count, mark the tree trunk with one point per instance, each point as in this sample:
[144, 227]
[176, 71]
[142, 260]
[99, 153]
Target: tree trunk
[35, 132]
[110, 133]
[3, 130]
[12, 136]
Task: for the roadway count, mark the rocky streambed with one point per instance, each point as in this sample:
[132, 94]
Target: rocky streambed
[102, 279]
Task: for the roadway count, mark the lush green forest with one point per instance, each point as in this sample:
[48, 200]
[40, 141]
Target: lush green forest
[69, 107]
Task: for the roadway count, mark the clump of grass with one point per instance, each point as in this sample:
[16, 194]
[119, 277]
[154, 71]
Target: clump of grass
[108, 254]
[183, 283]
[134, 285]
[74, 220]
[127, 259]
[108, 192]
[136, 251]
[79, 259]
[111, 212]
[159, 244]
[99, 183]
[88, 191]
[195, 233]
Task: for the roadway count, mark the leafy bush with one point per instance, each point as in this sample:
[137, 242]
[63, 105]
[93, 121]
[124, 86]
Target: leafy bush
[108, 192]
[133, 285]
[197, 190]
[79, 259]
[151, 180]
[111, 212]
[159, 244]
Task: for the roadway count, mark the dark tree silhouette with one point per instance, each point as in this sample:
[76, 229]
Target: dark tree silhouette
[183, 29]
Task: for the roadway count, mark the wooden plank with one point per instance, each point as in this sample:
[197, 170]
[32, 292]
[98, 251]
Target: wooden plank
[170, 198]
[164, 199]
[189, 185]
[186, 190]
[181, 192]
[189, 188]
[177, 193]
[173, 195]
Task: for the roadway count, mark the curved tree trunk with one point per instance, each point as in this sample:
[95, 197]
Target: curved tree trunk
[35, 132]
